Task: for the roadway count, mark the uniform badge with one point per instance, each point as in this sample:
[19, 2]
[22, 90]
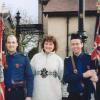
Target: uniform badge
[9, 89]
[17, 65]
[75, 71]
[82, 84]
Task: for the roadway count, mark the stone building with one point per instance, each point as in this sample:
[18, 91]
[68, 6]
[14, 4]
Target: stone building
[60, 18]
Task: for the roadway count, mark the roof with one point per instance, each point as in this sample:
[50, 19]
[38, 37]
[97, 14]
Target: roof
[68, 5]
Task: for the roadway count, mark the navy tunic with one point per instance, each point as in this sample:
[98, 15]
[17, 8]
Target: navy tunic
[76, 82]
[18, 69]
[97, 93]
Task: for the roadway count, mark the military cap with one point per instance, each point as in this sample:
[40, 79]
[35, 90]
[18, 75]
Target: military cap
[76, 36]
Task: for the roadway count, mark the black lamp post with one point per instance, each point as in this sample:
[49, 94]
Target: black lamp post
[17, 27]
[81, 17]
[18, 17]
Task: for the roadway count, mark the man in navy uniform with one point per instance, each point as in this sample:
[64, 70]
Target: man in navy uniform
[97, 93]
[79, 71]
[18, 75]
[97, 62]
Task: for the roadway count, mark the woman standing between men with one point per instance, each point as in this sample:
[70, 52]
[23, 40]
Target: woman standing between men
[48, 71]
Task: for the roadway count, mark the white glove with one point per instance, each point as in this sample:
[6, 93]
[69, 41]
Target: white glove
[28, 98]
[94, 78]
[89, 73]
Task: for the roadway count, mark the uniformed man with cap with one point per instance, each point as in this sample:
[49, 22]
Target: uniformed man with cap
[97, 62]
[78, 71]
[18, 75]
[97, 93]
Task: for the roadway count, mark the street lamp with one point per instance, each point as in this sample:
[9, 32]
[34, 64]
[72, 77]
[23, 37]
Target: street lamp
[18, 17]
[17, 27]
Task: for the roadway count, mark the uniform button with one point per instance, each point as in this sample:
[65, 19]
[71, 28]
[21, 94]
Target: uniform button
[9, 89]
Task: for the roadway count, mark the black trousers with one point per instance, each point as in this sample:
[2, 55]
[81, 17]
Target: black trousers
[64, 98]
[75, 96]
[16, 93]
[97, 93]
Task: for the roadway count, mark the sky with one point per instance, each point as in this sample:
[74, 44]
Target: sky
[29, 7]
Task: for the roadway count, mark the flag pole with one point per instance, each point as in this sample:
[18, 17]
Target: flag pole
[1, 60]
[81, 18]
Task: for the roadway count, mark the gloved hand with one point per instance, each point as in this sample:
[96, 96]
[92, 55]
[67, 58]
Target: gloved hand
[94, 78]
[89, 73]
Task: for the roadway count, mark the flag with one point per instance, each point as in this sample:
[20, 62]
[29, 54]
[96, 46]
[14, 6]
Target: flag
[2, 87]
[96, 51]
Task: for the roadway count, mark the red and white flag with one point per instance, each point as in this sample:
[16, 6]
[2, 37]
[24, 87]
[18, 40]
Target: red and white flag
[2, 86]
[96, 51]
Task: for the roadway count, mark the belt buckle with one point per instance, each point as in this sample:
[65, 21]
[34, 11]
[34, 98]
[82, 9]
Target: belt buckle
[81, 94]
[44, 73]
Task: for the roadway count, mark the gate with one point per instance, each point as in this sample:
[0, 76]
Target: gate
[28, 35]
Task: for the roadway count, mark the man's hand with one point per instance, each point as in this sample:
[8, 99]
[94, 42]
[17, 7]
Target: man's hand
[28, 98]
[94, 78]
[89, 73]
